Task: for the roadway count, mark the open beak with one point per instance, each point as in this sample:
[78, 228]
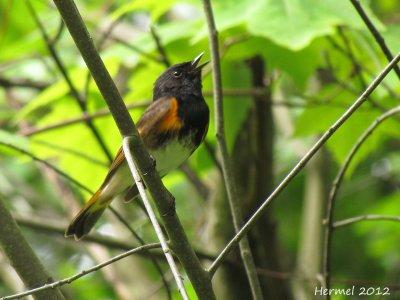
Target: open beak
[196, 61]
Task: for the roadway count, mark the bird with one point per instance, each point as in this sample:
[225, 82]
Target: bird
[172, 128]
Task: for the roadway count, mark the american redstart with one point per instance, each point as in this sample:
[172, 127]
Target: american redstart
[172, 128]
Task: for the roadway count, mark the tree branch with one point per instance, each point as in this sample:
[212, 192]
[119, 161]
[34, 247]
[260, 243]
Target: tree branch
[68, 280]
[160, 48]
[302, 163]
[49, 165]
[99, 114]
[22, 257]
[195, 180]
[162, 198]
[112, 243]
[375, 33]
[153, 218]
[227, 171]
[23, 83]
[357, 219]
[53, 228]
[80, 185]
[335, 188]
[142, 104]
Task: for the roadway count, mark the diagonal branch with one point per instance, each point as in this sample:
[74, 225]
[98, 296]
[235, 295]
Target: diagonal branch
[195, 180]
[80, 185]
[160, 48]
[68, 280]
[21, 256]
[23, 83]
[357, 219]
[227, 171]
[75, 120]
[153, 218]
[302, 163]
[162, 198]
[375, 33]
[335, 188]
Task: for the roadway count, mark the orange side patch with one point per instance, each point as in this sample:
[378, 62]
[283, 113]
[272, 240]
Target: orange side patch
[171, 120]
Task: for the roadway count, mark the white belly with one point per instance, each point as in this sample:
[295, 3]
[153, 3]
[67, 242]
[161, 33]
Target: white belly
[167, 159]
[170, 157]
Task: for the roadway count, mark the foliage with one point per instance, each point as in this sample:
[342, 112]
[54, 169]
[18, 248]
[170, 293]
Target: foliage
[301, 42]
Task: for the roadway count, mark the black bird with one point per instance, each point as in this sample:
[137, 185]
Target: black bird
[172, 128]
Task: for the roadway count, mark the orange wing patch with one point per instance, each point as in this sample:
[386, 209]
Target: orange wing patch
[171, 120]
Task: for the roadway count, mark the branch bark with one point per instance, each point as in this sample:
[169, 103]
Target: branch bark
[308, 262]
[375, 33]
[153, 218]
[227, 171]
[22, 257]
[68, 280]
[258, 133]
[162, 198]
[23, 83]
[302, 163]
[335, 188]
[357, 219]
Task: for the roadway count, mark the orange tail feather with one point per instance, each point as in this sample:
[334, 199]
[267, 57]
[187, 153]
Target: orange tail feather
[87, 217]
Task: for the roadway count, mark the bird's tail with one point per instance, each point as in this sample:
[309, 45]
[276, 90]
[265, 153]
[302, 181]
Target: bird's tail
[88, 215]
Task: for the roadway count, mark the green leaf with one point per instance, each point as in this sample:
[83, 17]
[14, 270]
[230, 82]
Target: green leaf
[10, 138]
[280, 58]
[47, 98]
[292, 24]
[155, 7]
[295, 23]
[316, 120]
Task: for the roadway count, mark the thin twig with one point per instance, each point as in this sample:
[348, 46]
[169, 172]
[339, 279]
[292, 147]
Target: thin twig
[49, 165]
[335, 188]
[227, 171]
[70, 151]
[200, 187]
[47, 227]
[58, 34]
[159, 46]
[99, 114]
[357, 219]
[108, 34]
[341, 50]
[142, 242]
[23, 83]
[375, 33]
[75, 93]
[100, 45]
[143, 104]
[20, 255]
[163, 199]
[113, 211]
[71, 279]
[302, 163]
[67, 177]
[358, 70]
[110, 242]
[136, 49]
[352, 57]
[153, 219]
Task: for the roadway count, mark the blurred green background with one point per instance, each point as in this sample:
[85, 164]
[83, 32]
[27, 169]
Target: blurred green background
[290, 68]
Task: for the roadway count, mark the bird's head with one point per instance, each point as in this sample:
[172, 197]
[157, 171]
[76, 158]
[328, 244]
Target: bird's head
[182, 79]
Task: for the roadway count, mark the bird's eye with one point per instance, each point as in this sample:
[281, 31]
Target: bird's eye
[177, 74]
